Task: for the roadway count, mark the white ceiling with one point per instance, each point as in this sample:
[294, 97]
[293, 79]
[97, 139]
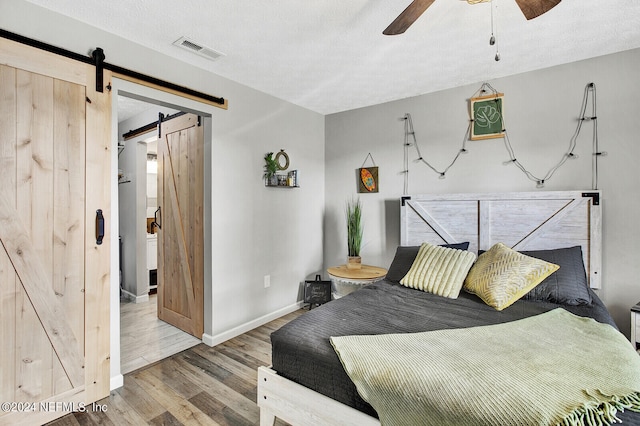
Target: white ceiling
[330, 55]
[129, 107]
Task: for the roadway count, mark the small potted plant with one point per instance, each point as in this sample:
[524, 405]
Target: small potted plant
[354, 233]
[270, 169]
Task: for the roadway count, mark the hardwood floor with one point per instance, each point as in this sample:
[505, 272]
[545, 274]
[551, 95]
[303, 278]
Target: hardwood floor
[144, 339]
[199, 386]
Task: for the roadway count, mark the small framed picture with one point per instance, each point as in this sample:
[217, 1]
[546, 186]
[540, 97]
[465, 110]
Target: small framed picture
[368, 179]
[317, 292]
[487, 116]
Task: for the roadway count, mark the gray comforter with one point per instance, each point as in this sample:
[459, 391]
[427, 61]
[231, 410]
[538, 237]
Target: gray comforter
[302, 352]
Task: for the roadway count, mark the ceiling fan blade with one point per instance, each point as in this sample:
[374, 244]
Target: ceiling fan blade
[407, 17]
[534, 8]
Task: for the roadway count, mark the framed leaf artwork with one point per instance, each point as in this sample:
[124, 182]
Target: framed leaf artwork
[487, 116]
[368, 179]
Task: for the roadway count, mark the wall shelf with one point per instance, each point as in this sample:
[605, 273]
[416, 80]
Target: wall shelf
[281, 186]
[283, 180]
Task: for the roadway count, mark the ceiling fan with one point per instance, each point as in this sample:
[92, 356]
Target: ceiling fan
[530, 8]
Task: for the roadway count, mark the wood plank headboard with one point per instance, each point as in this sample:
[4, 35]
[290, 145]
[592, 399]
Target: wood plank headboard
[520, 220]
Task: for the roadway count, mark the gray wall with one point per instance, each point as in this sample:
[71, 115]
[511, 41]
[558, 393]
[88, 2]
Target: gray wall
[131, 208]
[440, 120]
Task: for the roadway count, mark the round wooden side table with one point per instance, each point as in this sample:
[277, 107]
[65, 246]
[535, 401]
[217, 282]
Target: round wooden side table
[345, 281]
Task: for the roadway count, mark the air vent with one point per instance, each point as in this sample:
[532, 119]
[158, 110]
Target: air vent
[198, 48]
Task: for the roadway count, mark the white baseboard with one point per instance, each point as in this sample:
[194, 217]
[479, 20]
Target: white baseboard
[209, 340]
[116, 382]
[135, 299]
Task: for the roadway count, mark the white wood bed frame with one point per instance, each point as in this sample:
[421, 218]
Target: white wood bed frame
[522, 220]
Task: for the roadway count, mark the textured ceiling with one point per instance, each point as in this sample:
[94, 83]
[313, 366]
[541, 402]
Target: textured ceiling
[129, 107]
[330, 55]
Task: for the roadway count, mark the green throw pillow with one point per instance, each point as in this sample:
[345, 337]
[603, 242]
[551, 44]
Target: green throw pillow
[502, 275]
[439, 270]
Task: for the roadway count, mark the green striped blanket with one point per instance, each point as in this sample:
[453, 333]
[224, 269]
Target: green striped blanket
[555, 368]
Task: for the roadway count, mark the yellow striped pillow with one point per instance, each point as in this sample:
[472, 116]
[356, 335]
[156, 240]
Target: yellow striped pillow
[502, 275]
[439, 270]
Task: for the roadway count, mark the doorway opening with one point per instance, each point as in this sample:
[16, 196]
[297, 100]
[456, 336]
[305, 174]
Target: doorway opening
[138, 337]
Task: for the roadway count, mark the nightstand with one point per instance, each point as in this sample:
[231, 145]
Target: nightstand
[635, 325]
[345, 281]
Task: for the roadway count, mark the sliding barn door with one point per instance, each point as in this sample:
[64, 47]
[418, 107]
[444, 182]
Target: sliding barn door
[181, 234]
[54, 278]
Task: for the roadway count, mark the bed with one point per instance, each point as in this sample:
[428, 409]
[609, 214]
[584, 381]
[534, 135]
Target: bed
[307, 383]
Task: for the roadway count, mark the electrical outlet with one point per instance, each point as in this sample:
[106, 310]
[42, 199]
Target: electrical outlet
[267, 281]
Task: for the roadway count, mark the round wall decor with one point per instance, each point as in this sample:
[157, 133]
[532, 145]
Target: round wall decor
[281, 158]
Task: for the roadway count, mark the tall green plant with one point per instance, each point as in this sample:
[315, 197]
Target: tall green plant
[354, 226]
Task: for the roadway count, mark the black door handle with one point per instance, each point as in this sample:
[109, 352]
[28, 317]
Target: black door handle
[155, 218]
[99, 226]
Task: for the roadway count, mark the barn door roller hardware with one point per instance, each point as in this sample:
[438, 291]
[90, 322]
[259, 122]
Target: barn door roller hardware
[149, 127]
[97, 59]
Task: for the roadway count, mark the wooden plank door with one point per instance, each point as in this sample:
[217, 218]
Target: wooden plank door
[54, 277]
[181, 234]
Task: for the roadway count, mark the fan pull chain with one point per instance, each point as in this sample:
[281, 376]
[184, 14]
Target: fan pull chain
[494, 30]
